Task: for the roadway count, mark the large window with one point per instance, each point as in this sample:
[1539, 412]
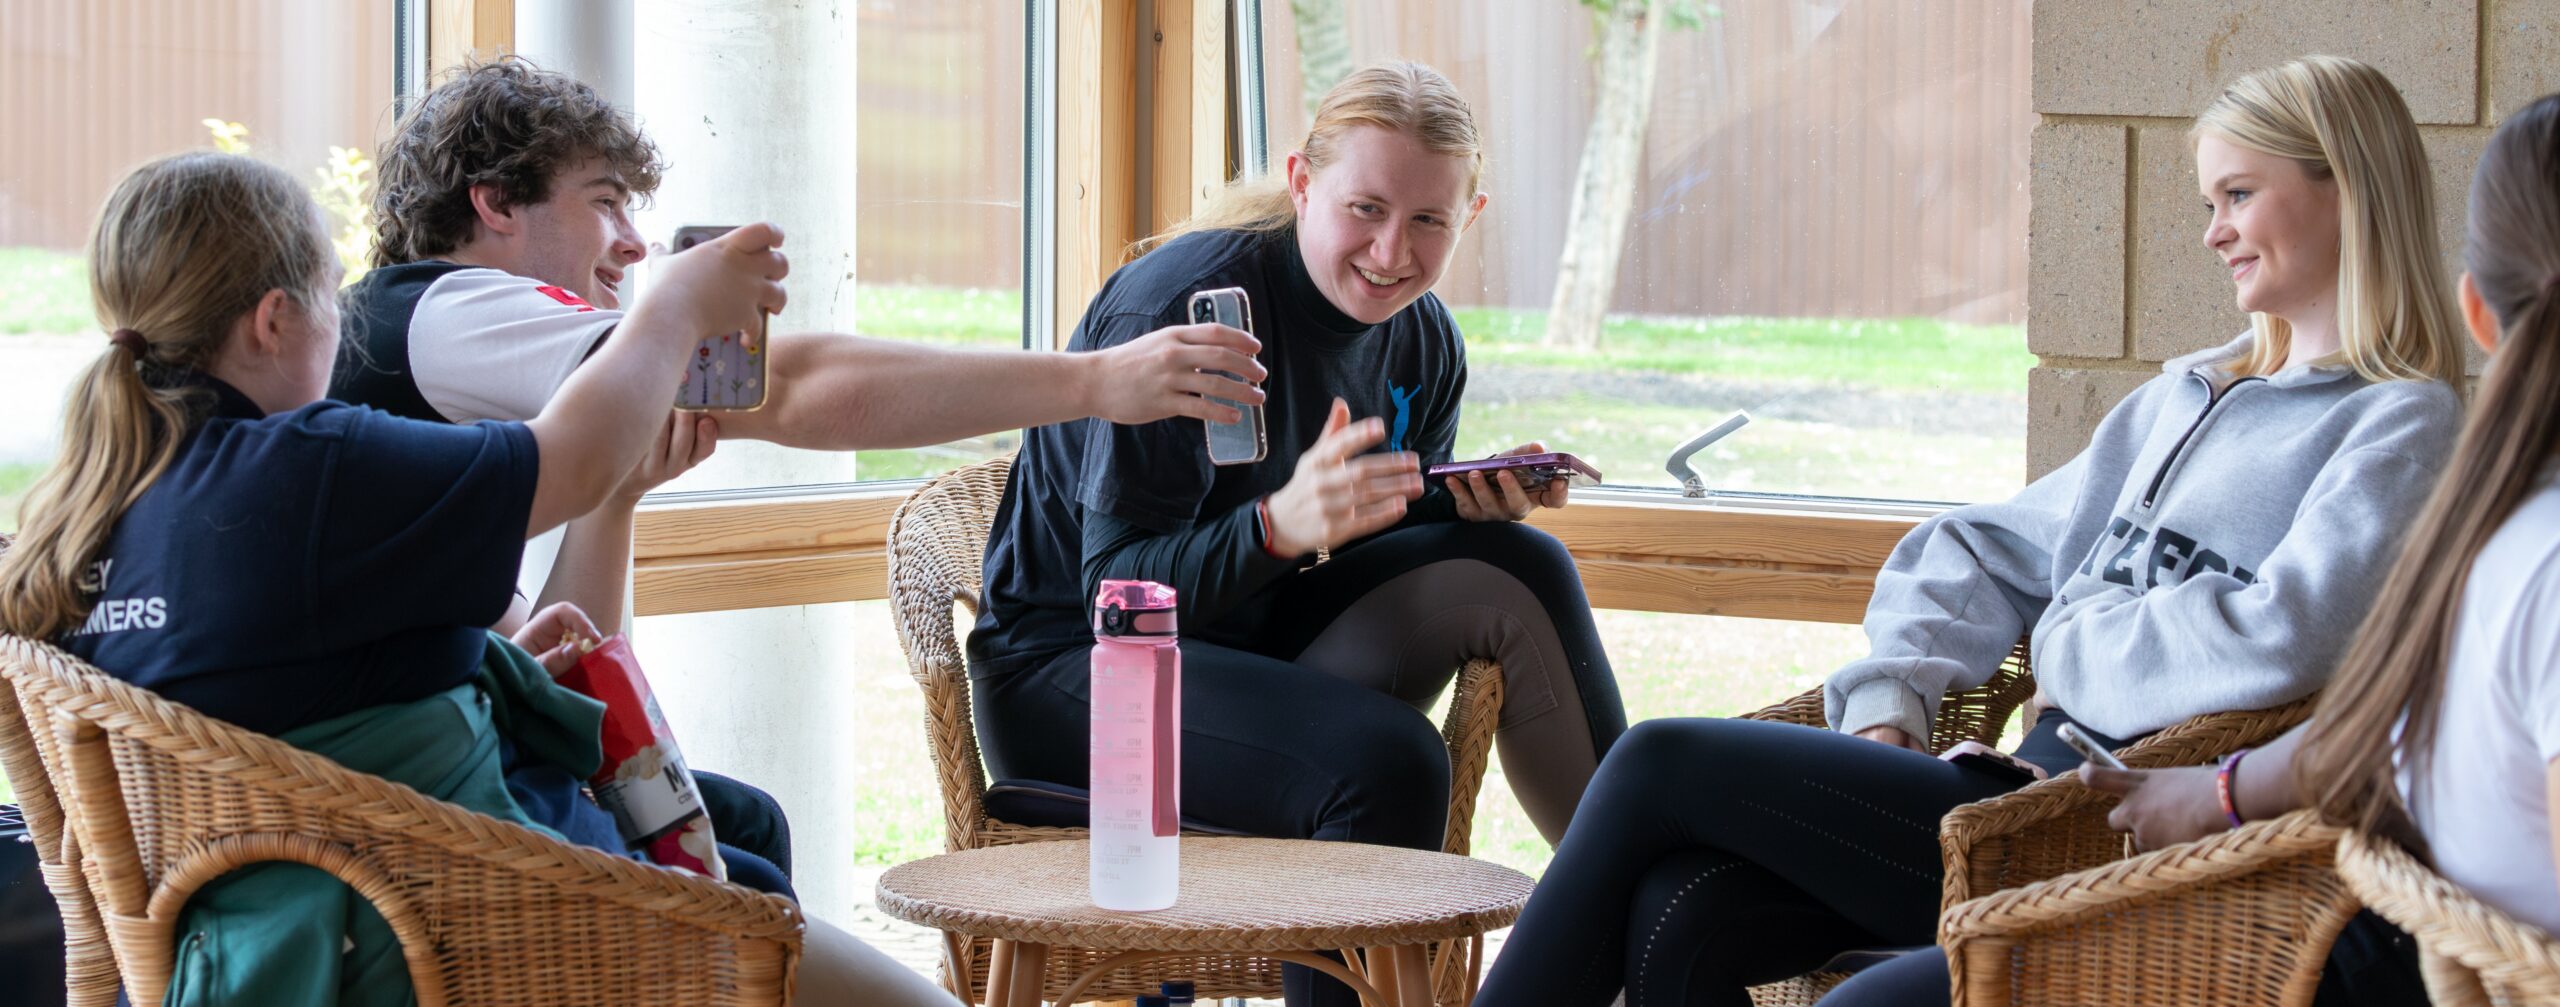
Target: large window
[1825, 225]
[886, 138]
[88, 90]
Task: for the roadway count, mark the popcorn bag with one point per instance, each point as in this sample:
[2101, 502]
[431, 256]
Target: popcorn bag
[643, 780]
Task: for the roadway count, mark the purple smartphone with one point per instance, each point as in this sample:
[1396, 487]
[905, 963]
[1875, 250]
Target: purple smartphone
[1532, 470]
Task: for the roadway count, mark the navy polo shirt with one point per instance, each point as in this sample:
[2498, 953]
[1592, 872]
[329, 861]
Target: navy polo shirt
[291, 568]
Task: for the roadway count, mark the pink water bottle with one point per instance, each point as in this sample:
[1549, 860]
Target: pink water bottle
[1137, 747]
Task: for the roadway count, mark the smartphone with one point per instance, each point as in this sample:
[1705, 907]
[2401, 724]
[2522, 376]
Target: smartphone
[726, 371]
[1984, 759]
[2088, 747]
[1533, 471]
[1241, 442]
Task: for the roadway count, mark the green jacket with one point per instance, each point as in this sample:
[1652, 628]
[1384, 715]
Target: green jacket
[287, 935]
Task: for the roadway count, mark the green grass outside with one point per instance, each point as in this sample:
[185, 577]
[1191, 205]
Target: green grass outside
[15, 479]
[1667, 666]
[1897, 354]
[43, 291]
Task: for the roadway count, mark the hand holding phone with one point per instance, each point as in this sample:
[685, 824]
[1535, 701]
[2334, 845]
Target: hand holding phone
[1242, 441]
[1533, 469]
[726, 370]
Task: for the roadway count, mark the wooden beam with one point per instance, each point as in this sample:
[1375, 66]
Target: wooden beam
[461, 30]
[1658, 557]
[1097, 150]
[1189, 141]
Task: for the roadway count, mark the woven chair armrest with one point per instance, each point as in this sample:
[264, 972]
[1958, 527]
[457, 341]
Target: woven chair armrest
[389, 808]
[2242, 917]
[1803, 708]
[2124, 885]
[2022, 836]
[2515, 958]
[2199, 740]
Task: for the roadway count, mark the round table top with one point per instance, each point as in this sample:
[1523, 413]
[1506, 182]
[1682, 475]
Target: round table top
[1237, 895]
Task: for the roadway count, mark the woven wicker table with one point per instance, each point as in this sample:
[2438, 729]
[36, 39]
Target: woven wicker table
[1283, 899]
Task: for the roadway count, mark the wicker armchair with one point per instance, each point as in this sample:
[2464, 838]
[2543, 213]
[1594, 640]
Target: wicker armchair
[1980, 714]
[136, 802]
[2473, 955]
[2241, 918]
[937, 542]
[2056, 827]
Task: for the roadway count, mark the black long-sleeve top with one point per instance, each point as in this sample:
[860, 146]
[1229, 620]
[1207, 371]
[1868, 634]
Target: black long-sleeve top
[1090, 500]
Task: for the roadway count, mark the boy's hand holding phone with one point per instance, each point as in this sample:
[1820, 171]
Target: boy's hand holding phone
[1501, 496]
[1178, 370]
[1339, 494]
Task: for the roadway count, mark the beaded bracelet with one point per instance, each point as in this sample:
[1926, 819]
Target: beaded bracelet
[2222, 786]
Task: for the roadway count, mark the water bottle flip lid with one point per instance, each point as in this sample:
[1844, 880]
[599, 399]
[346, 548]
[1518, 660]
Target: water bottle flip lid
[1133, 608]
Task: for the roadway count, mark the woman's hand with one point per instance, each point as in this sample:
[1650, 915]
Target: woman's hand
[553, 635]
[1339, 494]
[1501, 497]
[2161, 807]
[684, 442]
[1895, 736]
[1165, 373]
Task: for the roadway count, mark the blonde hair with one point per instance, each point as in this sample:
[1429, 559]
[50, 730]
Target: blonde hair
[184, 246]
[2343, 121]
[1402, 96]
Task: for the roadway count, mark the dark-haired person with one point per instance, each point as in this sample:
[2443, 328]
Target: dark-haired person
[502, 233]
[215, 531]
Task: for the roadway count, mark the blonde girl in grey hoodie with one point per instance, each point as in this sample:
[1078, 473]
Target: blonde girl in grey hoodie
[2213, 549]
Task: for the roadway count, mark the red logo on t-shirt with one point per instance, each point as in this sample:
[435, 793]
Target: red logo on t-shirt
[566, 297]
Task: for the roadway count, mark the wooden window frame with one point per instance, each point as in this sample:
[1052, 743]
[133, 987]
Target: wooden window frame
[462, 30]
[1637, 550]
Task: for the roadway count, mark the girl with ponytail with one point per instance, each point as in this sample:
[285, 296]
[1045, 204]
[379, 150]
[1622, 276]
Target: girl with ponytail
[2443, 727]
[216, 531]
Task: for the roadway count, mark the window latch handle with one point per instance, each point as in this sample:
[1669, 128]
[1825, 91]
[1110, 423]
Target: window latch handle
[1693, 484]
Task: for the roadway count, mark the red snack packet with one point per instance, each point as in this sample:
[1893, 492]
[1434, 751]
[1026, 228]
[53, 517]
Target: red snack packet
[643, 780]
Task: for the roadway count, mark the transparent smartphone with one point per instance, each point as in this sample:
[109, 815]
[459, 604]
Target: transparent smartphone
[2088, 747]
[1242, 441]
[726, 371]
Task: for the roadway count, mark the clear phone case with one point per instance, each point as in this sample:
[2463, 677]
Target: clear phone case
[1241, 442]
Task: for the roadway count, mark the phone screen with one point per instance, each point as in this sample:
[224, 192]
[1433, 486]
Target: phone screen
[726, 370]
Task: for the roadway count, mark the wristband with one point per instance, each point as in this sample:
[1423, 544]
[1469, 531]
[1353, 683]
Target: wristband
[1262, 524]
[2222, 786]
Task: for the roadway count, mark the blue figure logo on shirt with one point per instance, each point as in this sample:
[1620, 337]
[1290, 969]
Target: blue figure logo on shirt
[1404, 414]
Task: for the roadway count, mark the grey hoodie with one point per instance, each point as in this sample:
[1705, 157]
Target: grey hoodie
[2213, 549]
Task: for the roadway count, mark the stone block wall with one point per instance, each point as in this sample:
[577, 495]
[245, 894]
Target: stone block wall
[2118, 276]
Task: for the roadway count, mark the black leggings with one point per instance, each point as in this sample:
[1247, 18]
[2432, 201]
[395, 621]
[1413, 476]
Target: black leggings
[1319, 733]
[1712, 855]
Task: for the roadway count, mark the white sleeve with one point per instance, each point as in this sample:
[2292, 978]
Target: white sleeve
[485, 344]
[2536, 669]
[540, 552]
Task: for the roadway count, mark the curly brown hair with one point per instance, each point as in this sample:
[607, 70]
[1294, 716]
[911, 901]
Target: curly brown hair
[504, 122]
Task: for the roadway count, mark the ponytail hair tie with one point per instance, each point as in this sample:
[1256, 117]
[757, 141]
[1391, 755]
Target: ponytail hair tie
[131, 341]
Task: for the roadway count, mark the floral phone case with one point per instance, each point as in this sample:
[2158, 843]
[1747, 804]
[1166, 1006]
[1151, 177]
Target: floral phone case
[726, 370]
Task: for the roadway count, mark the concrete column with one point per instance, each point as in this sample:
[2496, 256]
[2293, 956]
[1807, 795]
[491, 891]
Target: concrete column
[752, 104]
[586, 39]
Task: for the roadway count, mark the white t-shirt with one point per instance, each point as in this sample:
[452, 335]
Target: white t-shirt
[2485, 806]
[442, 341]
